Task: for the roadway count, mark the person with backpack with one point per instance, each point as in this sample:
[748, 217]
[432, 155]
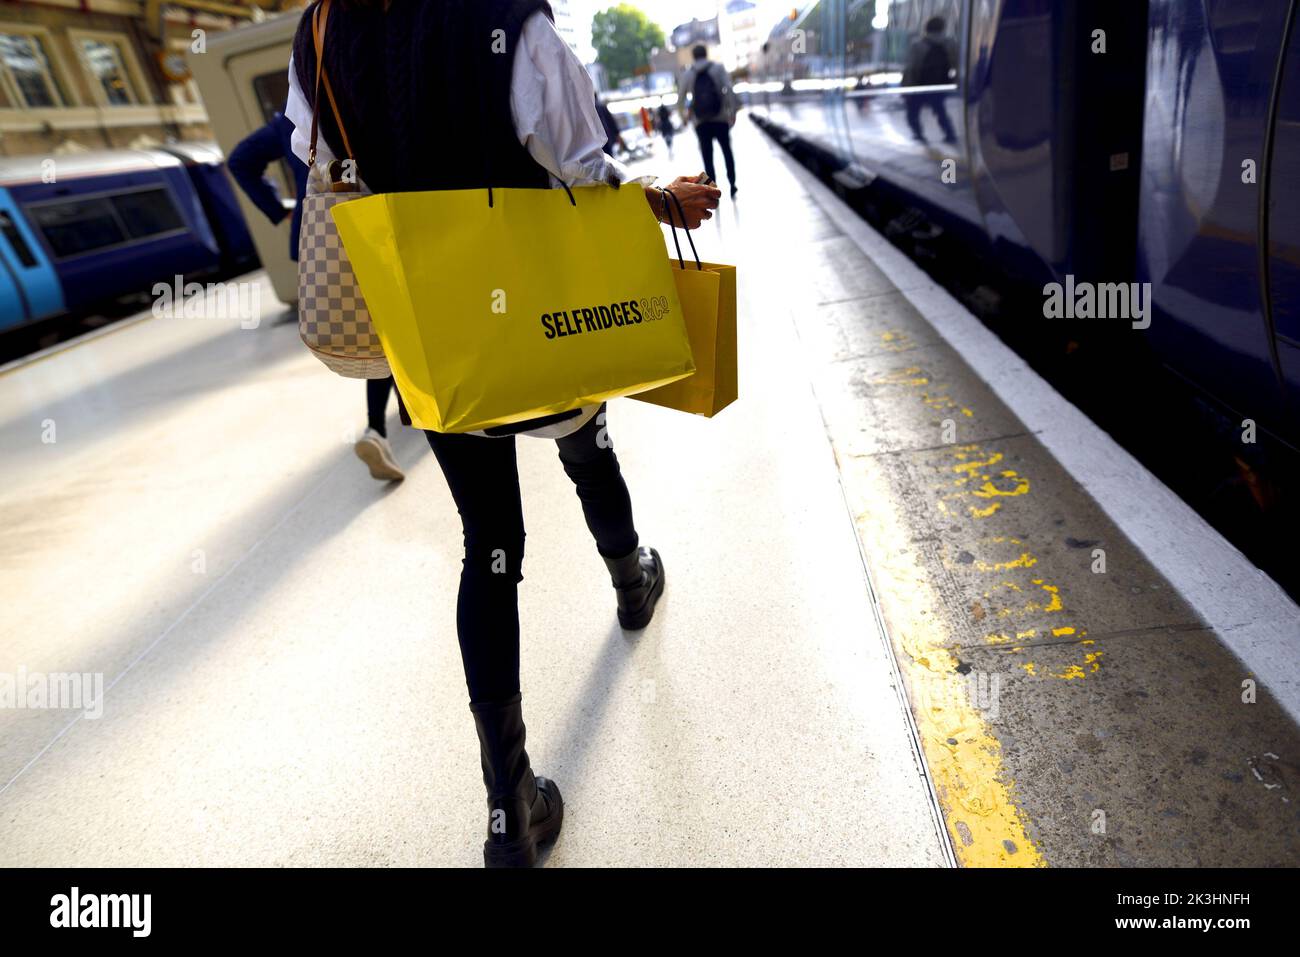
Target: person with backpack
[929, 62]
[712, 105]
[401, 73]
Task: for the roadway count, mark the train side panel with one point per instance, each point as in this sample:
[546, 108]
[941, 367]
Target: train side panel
[29, 286]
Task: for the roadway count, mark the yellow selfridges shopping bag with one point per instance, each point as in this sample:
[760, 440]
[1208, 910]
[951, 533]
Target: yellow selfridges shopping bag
[707, 292]
[496, 306]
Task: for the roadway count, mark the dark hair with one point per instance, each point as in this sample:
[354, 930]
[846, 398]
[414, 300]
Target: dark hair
[935, 25]
[699, 51]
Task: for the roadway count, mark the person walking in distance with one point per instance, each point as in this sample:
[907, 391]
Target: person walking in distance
[613, 137]
[929, 64]
[401, 74]
[664, 120]
[712, 105]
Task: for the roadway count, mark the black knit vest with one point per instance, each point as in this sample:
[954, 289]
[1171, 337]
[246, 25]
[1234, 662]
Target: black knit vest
[424, 91]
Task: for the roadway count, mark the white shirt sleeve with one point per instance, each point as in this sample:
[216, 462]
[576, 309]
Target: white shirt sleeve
[298, 112]
[553, 104]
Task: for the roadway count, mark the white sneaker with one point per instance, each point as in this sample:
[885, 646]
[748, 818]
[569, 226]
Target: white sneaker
[373, 449]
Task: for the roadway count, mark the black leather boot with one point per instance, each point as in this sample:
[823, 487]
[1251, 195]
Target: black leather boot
[638, 581]
[523, 810]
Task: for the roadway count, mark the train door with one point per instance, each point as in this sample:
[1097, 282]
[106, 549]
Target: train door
[1211, 78]
[1282, 226]
[244, 78]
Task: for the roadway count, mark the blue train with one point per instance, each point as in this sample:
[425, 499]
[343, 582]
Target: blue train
[1065, 142]
[80, 230]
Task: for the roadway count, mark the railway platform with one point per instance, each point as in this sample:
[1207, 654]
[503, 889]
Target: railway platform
[919, 611]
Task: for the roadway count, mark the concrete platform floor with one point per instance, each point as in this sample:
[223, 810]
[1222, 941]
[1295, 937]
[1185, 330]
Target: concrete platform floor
[184, 514]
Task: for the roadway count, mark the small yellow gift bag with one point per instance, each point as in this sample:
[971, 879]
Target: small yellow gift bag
[707, 292]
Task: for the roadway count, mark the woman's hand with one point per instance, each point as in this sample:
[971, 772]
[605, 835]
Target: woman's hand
[697, 196]
[697, 200]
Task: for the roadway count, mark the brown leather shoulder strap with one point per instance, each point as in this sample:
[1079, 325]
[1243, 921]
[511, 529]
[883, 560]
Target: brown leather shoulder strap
[320, 18]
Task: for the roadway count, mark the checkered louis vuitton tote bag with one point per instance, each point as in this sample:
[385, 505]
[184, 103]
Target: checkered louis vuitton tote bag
[332, 316]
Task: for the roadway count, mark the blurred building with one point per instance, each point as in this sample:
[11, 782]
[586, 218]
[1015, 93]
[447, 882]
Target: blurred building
[775, 56]
[681, 41]
[94, 74]
[564, 23]
[740, 36]
[687, 35]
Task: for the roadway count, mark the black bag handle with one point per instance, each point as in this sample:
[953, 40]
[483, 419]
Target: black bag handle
[673, 226]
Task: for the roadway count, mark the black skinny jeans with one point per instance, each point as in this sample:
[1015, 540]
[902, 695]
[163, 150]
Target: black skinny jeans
[484, 481]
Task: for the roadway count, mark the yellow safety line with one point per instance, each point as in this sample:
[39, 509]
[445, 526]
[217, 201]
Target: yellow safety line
[986, 826]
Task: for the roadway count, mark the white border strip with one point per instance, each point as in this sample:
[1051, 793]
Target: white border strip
[1249, 612]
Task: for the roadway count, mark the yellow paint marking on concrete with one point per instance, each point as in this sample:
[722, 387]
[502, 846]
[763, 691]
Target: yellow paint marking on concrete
[1055, 592]
[968, 413]
[1025, 560]
[989, 490]
[1029, 667]
[937, 402]
[1091, 664]
[896, 340]
[984, 512]
[1059, 632]
[1054, 605]
[971, 467]
[909, 376]
[999, 638]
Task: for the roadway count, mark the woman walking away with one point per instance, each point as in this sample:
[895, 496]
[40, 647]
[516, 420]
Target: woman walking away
[665, 122]
[522, 110]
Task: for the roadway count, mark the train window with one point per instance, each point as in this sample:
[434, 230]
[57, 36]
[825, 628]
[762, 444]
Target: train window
[77, 226]
[148, 212]
[272, 91]
[25, 63]
[16, 241]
